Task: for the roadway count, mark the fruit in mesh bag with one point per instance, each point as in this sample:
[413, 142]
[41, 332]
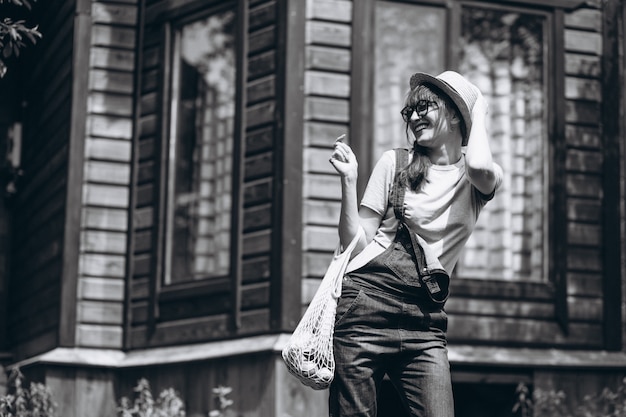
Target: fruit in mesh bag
[324, 374]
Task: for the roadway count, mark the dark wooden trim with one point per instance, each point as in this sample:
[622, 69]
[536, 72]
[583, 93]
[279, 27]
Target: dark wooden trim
[612, 115]
[171, 10]
[161, 156]
[558, 174]
[286, 253]
[362, 87]
[236, 263]
[75, 174]
[132, 199]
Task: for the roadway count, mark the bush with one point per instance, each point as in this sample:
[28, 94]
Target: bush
[553, 403]
[34, 401]
[168, 403]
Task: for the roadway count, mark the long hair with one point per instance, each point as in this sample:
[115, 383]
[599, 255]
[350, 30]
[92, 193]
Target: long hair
[415, 174]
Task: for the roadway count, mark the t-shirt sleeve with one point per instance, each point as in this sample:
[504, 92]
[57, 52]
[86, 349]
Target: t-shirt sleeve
[376, 195]
[499, 177]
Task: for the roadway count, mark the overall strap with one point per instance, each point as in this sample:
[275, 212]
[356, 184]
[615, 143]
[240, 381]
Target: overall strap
[398, 189]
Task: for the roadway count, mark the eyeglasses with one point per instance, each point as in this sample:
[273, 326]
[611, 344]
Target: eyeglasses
[422, 107]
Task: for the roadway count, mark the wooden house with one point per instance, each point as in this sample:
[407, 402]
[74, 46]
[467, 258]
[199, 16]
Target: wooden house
[175, 208]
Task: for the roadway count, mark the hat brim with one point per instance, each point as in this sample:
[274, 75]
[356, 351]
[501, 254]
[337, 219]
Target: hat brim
[422, 78]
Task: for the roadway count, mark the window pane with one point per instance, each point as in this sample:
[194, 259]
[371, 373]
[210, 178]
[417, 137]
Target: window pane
[408, 38]
[201, 146]
[504, 53]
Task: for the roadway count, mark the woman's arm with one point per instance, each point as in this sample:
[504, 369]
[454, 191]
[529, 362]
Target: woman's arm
[351, 218]
[479, 165]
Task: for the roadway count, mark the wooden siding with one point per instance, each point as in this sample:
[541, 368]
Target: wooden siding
[107, 174]
[327, 88]
[483, 312]
[40, 204]
[157, 319]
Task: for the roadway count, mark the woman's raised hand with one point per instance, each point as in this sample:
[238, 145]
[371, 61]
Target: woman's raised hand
[343, 160]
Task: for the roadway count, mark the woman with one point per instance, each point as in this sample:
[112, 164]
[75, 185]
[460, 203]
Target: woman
[389, 321]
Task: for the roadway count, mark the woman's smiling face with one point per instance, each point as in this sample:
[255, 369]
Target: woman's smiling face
[426, 115]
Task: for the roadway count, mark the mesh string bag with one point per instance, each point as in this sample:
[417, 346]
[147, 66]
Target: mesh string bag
[308, 353]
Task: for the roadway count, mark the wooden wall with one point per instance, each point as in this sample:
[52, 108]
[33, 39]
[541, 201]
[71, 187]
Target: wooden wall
[107, 155]
[326, 116]
[258, 200]
[483, 312]
[40, 204]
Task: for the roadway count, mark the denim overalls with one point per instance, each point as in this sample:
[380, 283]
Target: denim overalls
[386, 323]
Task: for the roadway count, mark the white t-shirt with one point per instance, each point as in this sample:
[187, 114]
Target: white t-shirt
[443, 213]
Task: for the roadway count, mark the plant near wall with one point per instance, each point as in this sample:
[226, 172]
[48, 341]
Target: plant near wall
[14, 34]
[220, 395]
[553, 403]
[167, 404]
[34, 401]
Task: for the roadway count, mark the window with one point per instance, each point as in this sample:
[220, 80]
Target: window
[503, 50]
[201, 143]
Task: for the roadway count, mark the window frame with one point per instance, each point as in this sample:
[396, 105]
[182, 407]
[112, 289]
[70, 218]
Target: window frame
[223, 289]
[554, 286]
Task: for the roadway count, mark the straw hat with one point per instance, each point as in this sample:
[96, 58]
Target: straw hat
[462, 93]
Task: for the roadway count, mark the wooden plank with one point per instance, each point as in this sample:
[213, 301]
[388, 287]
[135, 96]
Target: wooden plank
[143, 217]
[104, 218]
[100, 265]
[110, 127]
[582, 112]
[71, 245]
[109, 149]
[258, 192]
[105, 289]
[585, 284]
[319, 238]
[103, 242]
[106, 195]
[588, 19]
[584, 161]
[261, 40]
[143, 241]
[256, 269]
[530, 333]
[584, 259]
[583, 42]
[114, 14]
[260, 140]
[323, 134]
[261, 65]
[322, 186]
[315, 264]
[107, 172]
[327, 33]
[326, 109]
[100, 312]
[117, 37]
[584, 234]
[316, 161]
[331, 10]
[259, 166]
[255, 296]
[258, 217]
[262, 15]
[105, 58]
[321, 212]
[262, 89]
[101, 336]
[328, 58]
[613, 158]
[327, 84]
[260, 114]
[583, 65]
[112, 82]
[256, 243]
[584, 137]
[581, 185]
[110, 104]
[583, 89]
